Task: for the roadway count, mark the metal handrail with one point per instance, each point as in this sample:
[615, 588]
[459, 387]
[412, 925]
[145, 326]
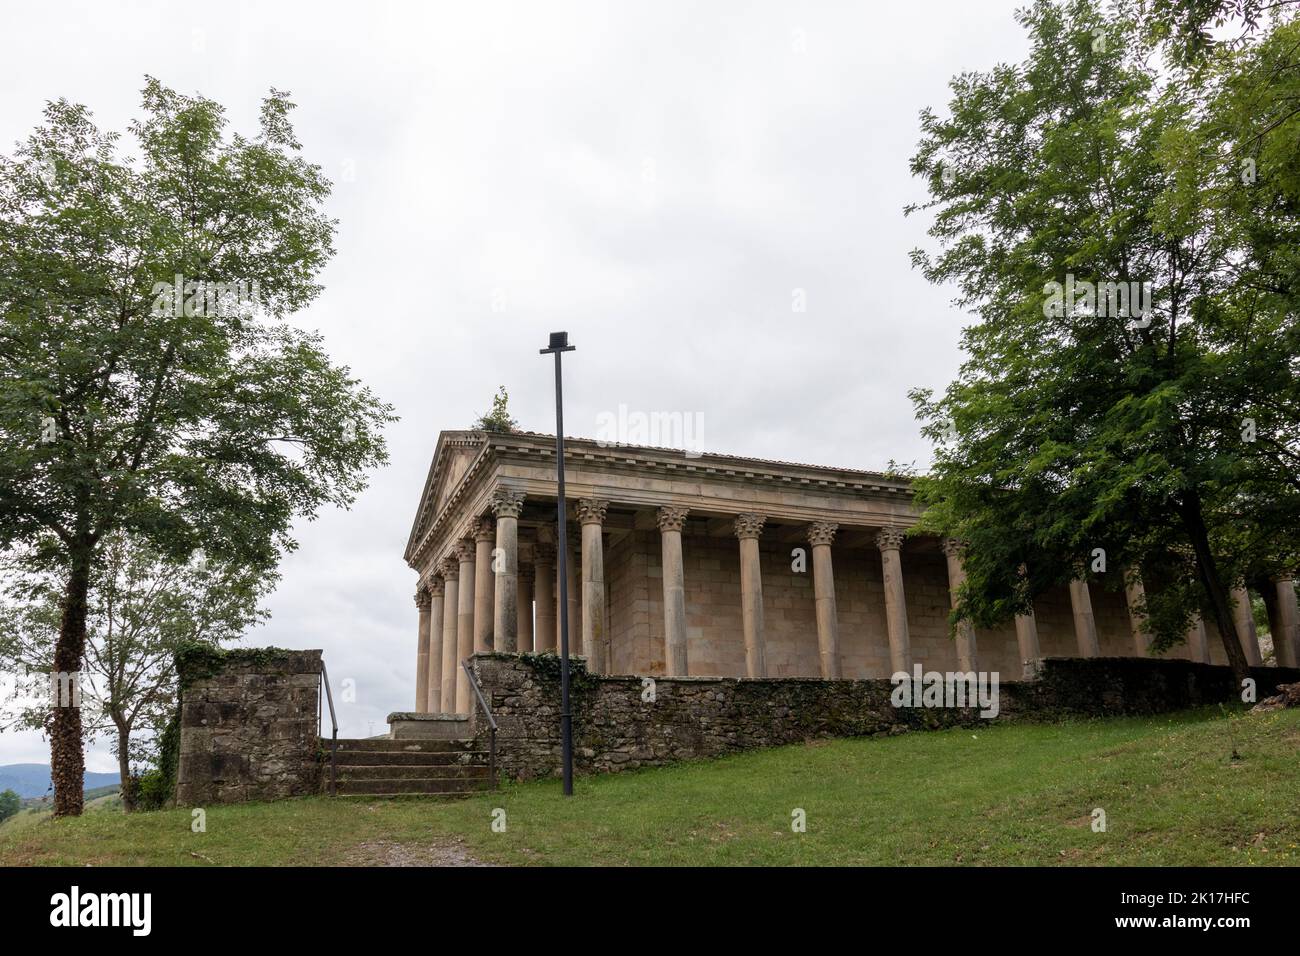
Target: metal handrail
[334, 740]
[492, 723]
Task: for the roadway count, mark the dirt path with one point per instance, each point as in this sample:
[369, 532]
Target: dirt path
[386, 853]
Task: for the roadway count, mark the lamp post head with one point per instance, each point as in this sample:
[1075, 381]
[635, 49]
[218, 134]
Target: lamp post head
[559, 343]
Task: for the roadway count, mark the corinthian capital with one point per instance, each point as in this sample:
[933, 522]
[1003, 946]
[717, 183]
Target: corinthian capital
[433, 586]
[422, 600]
[749, 525]
[671, 518]
[822, 532]
[954, 547]
[889, 538]
[507, 503]
[449, 568]
[483, 529]
[465, 550]
[591, 510]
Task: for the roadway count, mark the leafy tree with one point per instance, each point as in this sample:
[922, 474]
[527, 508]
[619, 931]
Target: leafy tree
[149, 381]
[142, 608]
[10, 803]
[498, 419]
[1134, 428]
[1183, 27]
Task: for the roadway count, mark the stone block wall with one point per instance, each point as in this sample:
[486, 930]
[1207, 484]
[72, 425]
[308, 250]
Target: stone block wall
[616, 728]
[249, 727]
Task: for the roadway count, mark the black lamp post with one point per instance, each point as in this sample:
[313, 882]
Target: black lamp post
[559, 345]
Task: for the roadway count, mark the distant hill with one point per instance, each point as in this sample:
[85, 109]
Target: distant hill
[33, 779]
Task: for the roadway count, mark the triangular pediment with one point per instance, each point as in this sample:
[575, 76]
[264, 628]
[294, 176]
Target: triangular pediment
[452, 457]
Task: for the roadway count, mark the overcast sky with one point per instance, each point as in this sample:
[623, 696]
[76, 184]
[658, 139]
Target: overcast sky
[657, 178]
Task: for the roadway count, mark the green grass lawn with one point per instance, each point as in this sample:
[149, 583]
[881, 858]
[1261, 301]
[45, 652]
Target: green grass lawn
[1004, 794]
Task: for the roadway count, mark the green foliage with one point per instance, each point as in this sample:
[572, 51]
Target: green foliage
[498, 419]
[150, 384]
[10, 803]
[155, 789]
[207, 430]
[1160, 438]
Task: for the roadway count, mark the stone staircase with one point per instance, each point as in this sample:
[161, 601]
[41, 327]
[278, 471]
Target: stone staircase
[383, 767]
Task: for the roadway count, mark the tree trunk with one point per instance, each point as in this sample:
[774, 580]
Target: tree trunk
[1208, 571]
[67, 761]
[127, 789]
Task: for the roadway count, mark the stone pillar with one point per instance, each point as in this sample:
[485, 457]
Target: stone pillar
[820, 536]
[506, 505]
[484, 581]
[422, 653]
[1244, 619]
[890, 543]
[1198, 646]
[591, 513]
[435, 588]
[464, 621]
[967, 652]
[524, 604]
[449, 568]
[1027, 639]
[1085, 626]
[748, 529]
[544, 583]
[572, 570]
[671, 520]
[1285, 643]
[1135, 596]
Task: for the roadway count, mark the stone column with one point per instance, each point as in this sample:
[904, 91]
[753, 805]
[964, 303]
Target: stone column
[464, 621]
[1244, 619]
[1135, 596]
[748, 529]
[435, 645]
[1085, 625]
[820, 536]
[1285, 649]
[671, 520]
[524, 603]
[890, 543]
[1198, 646]
[484, 581]
[591, 513]
[1027, 639]
[449, 568]
[544, 583]
[422, 653]
[506, 505]
[572, 571]
[967, 652]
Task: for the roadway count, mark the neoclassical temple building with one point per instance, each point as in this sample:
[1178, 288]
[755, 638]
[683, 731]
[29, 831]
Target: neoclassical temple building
[713, 565]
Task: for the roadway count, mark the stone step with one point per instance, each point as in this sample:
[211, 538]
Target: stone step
[388, 758]
[417, 772]
[389, 785]
[388, 745]
[457, 795]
